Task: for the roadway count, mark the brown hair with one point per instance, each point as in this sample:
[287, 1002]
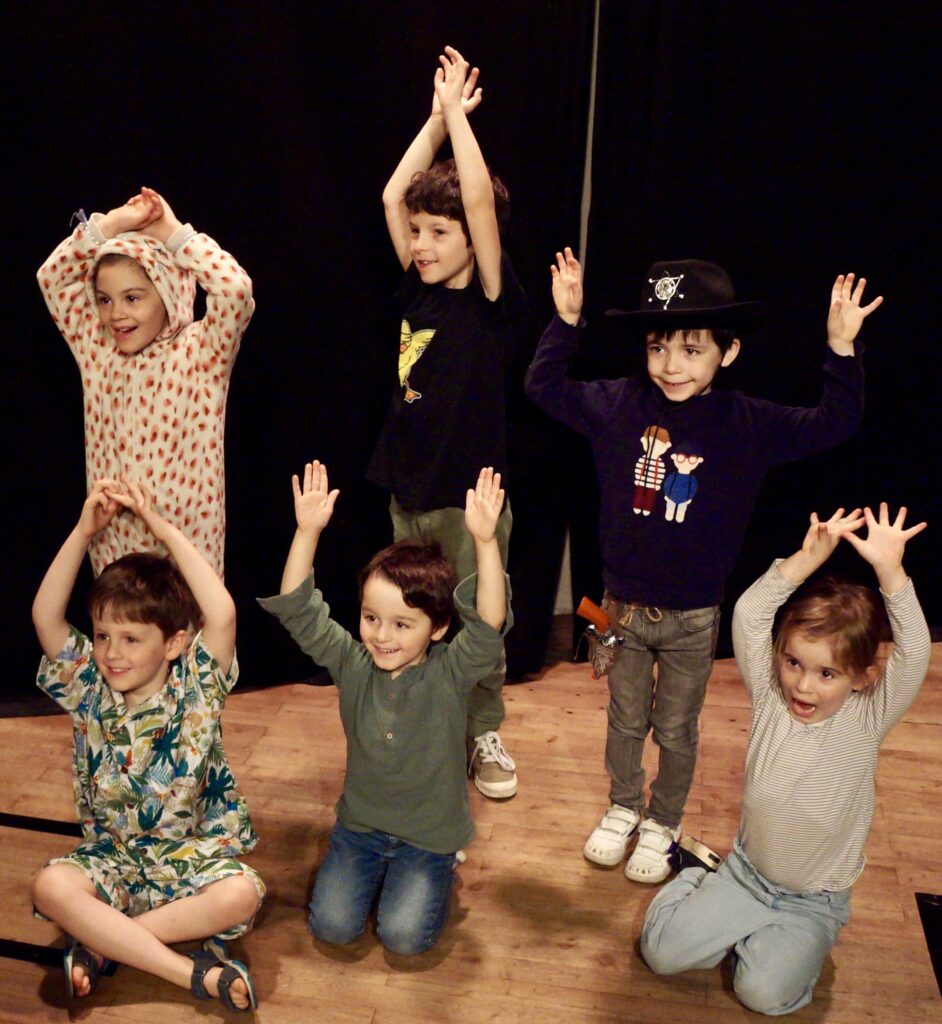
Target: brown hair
[423, 574]
[112, 259]
[437, 191]
[851, 616]
[147, 588]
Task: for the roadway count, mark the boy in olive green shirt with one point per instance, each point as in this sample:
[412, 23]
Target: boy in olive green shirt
[403, 813]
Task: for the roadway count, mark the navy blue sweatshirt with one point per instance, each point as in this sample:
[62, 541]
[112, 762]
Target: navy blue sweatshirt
[679, 480]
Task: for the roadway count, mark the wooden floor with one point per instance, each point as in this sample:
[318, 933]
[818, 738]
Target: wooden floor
[536, 934]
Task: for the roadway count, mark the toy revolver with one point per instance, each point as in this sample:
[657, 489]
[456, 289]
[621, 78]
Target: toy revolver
[602, 638]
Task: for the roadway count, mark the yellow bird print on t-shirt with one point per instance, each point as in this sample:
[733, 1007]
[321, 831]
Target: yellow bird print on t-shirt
[411, 347]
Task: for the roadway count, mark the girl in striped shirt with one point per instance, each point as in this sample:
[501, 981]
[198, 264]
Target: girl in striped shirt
[821, 707]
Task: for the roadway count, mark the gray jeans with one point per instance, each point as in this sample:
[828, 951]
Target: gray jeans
[445, 526]
[681, 645]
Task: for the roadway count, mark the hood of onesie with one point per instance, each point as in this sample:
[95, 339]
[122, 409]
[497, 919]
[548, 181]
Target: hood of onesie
[175, 285]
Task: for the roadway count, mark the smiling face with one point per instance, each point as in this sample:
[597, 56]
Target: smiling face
[134, 657]
[813, 682]
[684, 364]
[128, 305]
[440, 251]
[396, 635]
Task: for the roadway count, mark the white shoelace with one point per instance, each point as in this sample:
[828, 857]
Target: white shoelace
[489, 748]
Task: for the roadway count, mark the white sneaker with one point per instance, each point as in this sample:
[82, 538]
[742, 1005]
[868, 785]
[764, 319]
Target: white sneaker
[650, 859]
[608, 844]
[492, 768]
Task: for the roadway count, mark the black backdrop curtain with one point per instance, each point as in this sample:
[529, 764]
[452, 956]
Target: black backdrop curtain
[274, 128]
[786, 144]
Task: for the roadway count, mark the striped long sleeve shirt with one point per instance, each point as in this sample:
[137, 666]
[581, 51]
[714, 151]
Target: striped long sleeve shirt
[809, 792]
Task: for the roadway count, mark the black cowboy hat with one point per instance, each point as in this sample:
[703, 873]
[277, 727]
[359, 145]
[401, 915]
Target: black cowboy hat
[690, 293]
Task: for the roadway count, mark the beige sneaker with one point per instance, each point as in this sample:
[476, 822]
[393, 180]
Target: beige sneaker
[491, 767]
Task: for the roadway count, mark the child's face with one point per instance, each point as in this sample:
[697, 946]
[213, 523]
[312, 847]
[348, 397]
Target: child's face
[440, 251]
[814, 684]
[684, 366]
[129, 306]
[396, 635]
[134, 657]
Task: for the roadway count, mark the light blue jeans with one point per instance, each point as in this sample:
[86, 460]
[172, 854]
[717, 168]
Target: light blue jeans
[681, 643]
[779, 938]
[410, 887]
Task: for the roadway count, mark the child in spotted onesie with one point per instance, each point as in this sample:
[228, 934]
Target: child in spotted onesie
[120, 289]
[163, 821]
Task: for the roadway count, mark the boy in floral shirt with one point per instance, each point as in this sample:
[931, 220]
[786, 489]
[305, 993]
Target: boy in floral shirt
[162, 818]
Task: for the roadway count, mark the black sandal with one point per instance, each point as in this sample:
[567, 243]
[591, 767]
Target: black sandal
[232, 971]
[75, 954]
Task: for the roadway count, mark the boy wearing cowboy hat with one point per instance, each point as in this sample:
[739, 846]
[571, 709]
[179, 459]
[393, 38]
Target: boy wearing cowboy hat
[665, 569]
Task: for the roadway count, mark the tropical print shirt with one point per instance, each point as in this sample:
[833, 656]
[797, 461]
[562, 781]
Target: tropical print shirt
[154, 778]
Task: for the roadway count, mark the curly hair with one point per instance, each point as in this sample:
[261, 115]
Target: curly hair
[437, 191]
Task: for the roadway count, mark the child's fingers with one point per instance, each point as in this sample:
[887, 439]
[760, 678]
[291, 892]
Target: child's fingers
[867, 310]
[296, 487]
[913, 530]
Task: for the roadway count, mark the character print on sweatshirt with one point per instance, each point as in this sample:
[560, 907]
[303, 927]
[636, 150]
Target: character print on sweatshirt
[680, 485]
[411, 347]
[650, 469]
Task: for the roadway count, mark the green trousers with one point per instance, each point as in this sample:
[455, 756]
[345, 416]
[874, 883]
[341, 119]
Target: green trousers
[445, 526]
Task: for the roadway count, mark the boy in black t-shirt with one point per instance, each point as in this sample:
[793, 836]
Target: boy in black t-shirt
[461, 306]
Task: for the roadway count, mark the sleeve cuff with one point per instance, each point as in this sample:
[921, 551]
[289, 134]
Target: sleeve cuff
[180, 237]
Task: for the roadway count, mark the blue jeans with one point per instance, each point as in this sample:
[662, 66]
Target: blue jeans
[412, 887]
[779, 938]
[681, 644]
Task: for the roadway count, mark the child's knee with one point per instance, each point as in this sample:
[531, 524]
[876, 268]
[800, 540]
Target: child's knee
[769, 992]
[244, 897]
[406, 935]
[54, 886]
[330, 925]
[413, 925]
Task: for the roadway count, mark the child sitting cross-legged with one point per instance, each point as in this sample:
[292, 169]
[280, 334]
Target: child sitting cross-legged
[403, 813]
[820, 710]
[162, 818]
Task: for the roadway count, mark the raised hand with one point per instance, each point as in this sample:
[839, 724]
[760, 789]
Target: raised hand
[483, 505]
[884, 545]
[823, 537]
[137, 213]
[99, 508]
[163, 226]
[567, 286]
[471, 94]
[313, 499]
[451, 80]
[846, 315]
[139, 500]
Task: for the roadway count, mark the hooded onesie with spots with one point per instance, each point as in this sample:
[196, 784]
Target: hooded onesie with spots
[157, 416]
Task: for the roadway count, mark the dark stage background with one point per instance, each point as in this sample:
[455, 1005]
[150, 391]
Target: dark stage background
[788, 147]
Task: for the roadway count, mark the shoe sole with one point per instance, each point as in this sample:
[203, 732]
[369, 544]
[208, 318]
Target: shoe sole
[649, 879]
[603, 861]
[501, 791]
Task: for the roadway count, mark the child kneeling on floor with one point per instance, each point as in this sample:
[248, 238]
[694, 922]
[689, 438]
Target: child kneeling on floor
[403, 813]
[820, 710]
[162, 818]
